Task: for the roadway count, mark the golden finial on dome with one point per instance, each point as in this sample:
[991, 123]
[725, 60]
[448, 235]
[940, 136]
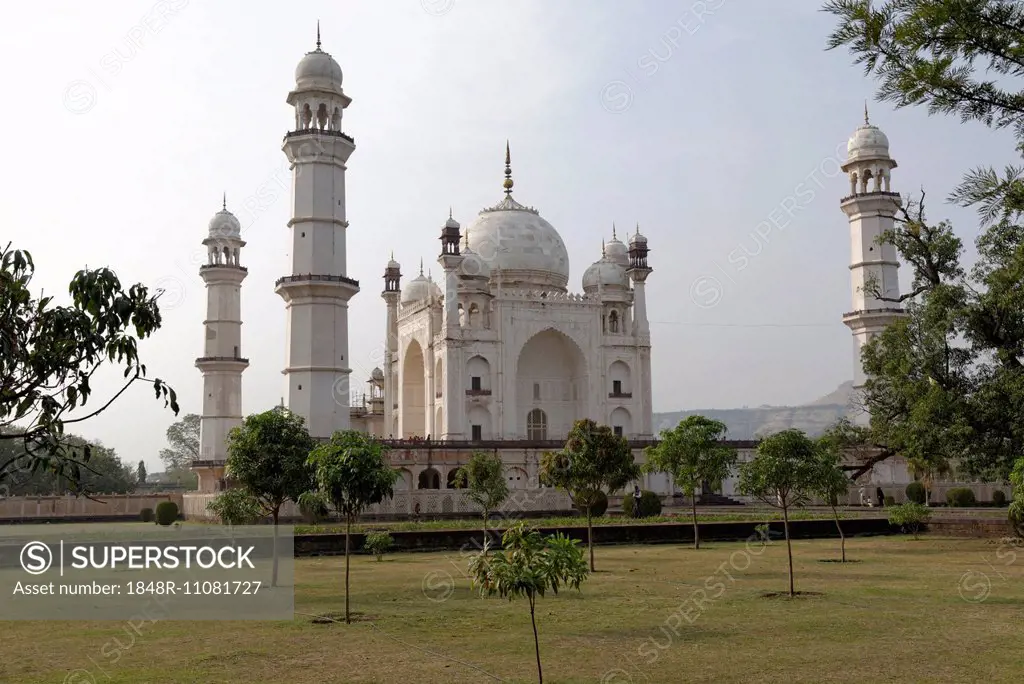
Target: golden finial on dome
[603, 254]
[613, 231]
[421, 265]
[224, 202]
[508, 170]
[318, 35]
[866, 122]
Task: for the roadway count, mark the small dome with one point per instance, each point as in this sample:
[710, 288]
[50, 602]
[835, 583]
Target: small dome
[394, 264]
[451, 223]
[605, 273]
[434, 288]
[416, 290]
[318, 70]
[616, 252]
[637, 238]
[376, 374]
[867, 142]
[225, 225]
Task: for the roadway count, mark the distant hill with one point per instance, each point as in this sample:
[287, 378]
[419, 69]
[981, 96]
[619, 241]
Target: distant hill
[750, 423]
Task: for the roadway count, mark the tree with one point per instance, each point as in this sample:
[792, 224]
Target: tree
[182, 449]
[49, 354]
[594, 460]
[782, 474]
[267, 456]
[1016, 511]
[103, 473]
[691, 453]
[530, 565]
[949, 379]
[351, 472]
[140, 472]
[483, 478]
[831, 482]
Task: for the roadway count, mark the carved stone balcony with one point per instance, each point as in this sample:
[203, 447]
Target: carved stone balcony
[478, 393]
[620, 395]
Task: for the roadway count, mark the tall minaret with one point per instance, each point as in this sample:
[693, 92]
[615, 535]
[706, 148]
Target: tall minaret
[316, 293]
[449, 348]
[221, 363]
[638, 271]
[874, 268]
[392, 291]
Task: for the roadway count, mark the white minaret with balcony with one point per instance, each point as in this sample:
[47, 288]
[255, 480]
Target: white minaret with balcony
[221, 363]
[871, 208]
[317, 292]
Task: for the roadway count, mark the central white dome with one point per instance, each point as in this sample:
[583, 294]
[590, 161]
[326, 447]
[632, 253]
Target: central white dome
[516, 240]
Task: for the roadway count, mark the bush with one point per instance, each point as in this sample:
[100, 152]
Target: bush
[377, 543]
[166, 513]
[236, 506]
[598, 508]
[650, 504]
[916, 493]
[909, 516]
[314, 512]
[999, 498]
[961, 497]
[890, 501]
[146, 514]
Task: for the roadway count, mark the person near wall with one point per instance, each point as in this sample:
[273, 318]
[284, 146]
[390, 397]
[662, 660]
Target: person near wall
[637, 495]
[880, 495]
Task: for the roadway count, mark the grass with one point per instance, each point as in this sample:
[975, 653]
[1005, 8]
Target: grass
[658, 613]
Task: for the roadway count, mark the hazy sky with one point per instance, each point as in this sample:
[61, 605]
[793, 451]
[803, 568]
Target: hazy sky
[126, 122]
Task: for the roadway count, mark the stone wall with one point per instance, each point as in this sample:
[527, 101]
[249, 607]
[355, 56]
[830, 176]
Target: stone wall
[665, 533]
[66, 508]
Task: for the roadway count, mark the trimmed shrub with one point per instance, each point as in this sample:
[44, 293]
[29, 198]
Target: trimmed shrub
[961, 497]
[377, 543]
[999, 498]
[916, 493]
[147, 515]
[890, 501]
[650, 504]
[166, 513]
[598, 508]
[909, 516]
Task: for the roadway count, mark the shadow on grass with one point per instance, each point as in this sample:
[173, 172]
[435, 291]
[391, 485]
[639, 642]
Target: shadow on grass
[837, 560]
[785, 595]
[338, 618]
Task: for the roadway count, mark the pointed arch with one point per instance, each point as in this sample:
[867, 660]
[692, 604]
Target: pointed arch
[414, 377]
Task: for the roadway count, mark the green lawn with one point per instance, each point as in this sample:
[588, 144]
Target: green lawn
[897, 615]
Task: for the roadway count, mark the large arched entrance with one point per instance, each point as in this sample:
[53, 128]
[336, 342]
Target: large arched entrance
[551, 377]
[414, 376]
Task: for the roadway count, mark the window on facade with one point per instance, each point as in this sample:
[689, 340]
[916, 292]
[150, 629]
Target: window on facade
[613, 322]
[478, 432]
[536, 391]
[616, 387]
[536, 425]
[475, 383]
[617, 430]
